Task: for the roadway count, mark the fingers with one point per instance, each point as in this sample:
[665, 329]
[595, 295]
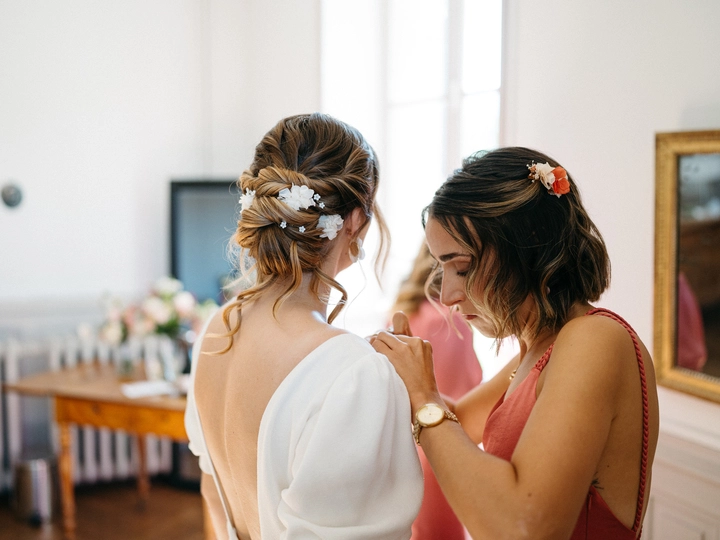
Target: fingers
[392, 342]
[387, 339]
[401, 324]
[386, 343]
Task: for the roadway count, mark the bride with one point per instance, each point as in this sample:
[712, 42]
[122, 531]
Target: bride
[302, 428]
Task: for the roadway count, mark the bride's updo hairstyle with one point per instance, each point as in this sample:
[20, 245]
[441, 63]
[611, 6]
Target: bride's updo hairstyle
[333, 160]
[525, 241]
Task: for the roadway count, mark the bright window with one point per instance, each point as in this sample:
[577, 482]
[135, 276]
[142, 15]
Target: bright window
[421, 80]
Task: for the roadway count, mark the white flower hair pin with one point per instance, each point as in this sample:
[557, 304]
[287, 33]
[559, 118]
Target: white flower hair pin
[554, 179]
[298, 197]
[246, 199]
[330, 226]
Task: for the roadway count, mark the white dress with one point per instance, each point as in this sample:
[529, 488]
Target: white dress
[336, 458]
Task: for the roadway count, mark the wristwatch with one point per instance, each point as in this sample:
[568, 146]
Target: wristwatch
[430, 415]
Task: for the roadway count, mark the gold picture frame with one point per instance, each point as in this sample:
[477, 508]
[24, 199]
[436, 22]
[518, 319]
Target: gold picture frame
[670, 148]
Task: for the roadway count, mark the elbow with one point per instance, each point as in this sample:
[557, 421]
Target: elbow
[520, 525]
[511, 533]
[499, 527]
[518, 532]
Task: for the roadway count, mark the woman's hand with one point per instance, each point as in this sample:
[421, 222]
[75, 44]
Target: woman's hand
[413, 360]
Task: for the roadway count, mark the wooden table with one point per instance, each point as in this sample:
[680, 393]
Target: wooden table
[90, 395]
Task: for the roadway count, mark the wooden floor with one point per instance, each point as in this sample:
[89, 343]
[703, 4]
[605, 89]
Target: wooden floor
[111, 512]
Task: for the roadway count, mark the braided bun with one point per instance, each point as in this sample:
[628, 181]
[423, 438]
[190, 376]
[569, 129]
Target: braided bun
[268, 211]
[313, 152]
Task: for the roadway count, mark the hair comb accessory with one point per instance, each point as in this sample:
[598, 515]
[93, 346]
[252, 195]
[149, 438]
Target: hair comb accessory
[246, 199]
[554, 179]
[330, 225]
[298, 197]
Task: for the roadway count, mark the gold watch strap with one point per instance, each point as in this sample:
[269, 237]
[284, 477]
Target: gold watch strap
[418, 427]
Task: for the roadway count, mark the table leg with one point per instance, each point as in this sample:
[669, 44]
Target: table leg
[66, 482]
[143, 482]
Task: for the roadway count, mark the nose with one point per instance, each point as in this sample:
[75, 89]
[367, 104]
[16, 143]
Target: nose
[452, 291]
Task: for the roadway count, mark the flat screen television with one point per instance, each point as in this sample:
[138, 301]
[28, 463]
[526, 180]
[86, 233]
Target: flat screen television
[203, 217]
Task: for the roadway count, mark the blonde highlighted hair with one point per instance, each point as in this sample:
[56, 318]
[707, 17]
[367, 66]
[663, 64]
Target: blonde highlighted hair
[329, 157]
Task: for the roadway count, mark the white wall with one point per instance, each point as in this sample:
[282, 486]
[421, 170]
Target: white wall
[265, 65]
[102, 103]
[590, 83]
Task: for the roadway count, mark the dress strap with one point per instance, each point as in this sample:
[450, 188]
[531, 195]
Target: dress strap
[646, 410]
[545, 358]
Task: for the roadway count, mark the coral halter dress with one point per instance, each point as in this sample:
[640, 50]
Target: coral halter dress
[508, 419]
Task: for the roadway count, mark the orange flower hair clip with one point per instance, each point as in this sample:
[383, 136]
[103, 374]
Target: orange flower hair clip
[554, 179]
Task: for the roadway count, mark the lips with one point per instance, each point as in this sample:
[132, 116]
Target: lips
[469, 317]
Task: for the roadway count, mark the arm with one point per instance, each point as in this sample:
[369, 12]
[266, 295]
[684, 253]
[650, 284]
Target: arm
[356, 473]
[539, 493]
[211, 497]
[474, 407]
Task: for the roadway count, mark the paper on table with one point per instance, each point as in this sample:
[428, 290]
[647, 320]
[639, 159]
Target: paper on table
[147, 388]
[182, 383]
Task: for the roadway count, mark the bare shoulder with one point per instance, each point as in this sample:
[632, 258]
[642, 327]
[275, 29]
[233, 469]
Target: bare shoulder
[597, 333]
[595, 351]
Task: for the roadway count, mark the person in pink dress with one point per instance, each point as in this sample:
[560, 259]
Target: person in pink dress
[692, 350]
[569, 427]
[457, 371]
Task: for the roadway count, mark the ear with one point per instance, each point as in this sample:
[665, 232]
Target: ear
[355, 221]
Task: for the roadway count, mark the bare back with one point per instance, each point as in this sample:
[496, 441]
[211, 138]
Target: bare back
[232, 391]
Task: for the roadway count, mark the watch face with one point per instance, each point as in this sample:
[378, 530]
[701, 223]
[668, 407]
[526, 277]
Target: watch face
[430, 415]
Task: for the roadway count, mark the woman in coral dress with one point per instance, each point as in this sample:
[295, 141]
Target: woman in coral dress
[569, 427]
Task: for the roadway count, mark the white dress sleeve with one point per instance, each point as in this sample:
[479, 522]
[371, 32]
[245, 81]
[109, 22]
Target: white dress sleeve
[355, 469]
[192, 420]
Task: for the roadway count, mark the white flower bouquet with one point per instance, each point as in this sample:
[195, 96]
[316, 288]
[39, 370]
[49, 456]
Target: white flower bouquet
[167, 310]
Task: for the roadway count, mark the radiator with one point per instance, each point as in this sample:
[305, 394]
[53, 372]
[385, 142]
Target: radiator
[27, 427]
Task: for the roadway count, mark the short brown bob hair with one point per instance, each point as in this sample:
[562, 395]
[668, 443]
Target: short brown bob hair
[525, 242]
